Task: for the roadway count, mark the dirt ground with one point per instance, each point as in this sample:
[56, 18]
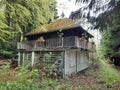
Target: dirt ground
[90, 82]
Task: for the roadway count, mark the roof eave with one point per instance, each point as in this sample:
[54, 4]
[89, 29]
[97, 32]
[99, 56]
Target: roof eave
[50, 31]
[58, 30]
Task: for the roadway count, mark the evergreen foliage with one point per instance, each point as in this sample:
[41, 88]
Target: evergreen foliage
[111, 34]
[111, 40]
[3, 32]
[24, 15]
[106, 21]
[18, 17]
[97, 12]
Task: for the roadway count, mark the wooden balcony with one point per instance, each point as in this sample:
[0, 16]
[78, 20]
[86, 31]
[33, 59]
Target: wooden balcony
[56, 43]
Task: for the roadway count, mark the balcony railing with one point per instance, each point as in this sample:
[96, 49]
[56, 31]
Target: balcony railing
[63, 42]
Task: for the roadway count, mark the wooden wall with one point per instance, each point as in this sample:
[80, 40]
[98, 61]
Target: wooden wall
[75, 61]
[70, 62]
[82, 60]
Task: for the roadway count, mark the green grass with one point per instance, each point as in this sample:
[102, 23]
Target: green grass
[108, 74]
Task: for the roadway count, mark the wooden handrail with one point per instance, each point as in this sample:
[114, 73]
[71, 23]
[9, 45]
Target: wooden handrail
[72, 41]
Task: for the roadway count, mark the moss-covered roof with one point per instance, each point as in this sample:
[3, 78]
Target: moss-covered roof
[54, 26]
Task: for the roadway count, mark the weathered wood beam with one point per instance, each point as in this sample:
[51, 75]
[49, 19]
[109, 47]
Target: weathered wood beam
[33, 58]
[19, 58]
[23, 59]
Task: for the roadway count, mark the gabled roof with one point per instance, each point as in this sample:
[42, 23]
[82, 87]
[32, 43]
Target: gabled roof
[54, 26]
[60, 24]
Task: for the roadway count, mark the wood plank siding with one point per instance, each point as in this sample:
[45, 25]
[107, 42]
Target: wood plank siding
[75, 61]
[56, 43]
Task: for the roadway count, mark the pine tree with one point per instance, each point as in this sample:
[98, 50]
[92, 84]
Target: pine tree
[3, 32]
[102, 12]
[21, 16]
[111, 39]
[24, 15]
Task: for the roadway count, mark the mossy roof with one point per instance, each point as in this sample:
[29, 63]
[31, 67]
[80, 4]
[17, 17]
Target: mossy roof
[59, 24]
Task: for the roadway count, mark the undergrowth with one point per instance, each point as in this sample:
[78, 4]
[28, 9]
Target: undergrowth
[29, 80]
[100, 68]
[108, 74]
[23, 79]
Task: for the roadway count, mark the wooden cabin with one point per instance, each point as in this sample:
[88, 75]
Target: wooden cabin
[67, 42]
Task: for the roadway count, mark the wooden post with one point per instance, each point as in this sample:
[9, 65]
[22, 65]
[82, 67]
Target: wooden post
[62, 41]
[23, 59]
[35, 45]
[63, 57]
[76, 41]
[33, 57]
[27, 56]
[18, 58]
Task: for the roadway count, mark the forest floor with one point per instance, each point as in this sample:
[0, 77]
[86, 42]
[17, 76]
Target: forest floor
[89, 80]
[3, 61]
[117, 68]
[85, 80]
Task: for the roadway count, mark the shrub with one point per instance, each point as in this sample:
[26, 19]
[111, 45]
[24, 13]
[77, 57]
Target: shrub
[34, 73]
[7, 54]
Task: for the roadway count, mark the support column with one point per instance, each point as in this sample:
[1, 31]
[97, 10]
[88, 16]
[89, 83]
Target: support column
[23, 58]
[33, 58]
[27, 56]
[18, 58]
[62, 41]
[76, 61]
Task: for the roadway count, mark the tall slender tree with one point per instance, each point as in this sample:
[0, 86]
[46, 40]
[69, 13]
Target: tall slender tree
[25, 15]
[107, 21]
[21, 16]
[3, 26]
[96, 11]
